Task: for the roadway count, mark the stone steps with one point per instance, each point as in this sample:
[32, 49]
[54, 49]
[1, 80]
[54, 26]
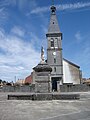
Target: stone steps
[44, 96]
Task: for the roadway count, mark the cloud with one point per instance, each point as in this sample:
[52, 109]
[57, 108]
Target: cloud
[22, 5]
[40, 10]
[26, 4]
[17, 57]
[3, 10]
[18, 31]
[79, 5]
[82, 56]
[4, 3]
[78, 37]
[3, 14]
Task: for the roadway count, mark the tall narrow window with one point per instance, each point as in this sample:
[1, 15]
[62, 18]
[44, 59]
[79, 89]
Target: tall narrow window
[52, 42]
[54, 69]
[54, 60]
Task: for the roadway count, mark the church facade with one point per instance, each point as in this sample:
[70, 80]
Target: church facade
[54, 50]
[63, 71]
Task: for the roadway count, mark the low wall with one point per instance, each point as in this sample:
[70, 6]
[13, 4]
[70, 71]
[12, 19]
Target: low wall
[24, 88]
[63, 88]
[75, 88]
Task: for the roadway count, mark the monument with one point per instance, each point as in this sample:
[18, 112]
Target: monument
[42, 75]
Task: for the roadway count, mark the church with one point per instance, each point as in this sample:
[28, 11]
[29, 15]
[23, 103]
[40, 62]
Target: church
[63, 71]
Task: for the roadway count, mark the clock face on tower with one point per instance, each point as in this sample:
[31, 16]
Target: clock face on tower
[54, 53]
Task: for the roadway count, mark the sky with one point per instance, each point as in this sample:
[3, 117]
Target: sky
[23, 28]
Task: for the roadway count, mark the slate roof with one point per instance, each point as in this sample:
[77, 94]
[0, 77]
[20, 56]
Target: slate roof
[53, 25]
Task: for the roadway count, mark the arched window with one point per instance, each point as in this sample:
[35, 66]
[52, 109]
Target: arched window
[52, 42]
[56, 43]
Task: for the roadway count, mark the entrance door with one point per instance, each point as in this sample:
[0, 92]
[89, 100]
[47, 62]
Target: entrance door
[54, 84]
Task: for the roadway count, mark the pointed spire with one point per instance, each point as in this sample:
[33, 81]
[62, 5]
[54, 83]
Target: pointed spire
[53, 26]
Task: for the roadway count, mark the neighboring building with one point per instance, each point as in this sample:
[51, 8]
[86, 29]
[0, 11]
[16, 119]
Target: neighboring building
[20, 82]
[28, 79]
[86, 81]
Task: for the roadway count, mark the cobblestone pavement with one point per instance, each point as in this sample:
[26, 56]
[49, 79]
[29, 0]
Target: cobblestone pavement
[45, 110]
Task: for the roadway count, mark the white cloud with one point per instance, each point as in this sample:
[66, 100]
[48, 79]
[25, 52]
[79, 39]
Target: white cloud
[3, 8]
[74, 6]
[17, 57]
[62, 7]
[1, 33]
[82, 56]
[3, 13]
[4, 3]
[18, 31]
[78, 37]
[84, 59]
[23, 4]
[40, 10]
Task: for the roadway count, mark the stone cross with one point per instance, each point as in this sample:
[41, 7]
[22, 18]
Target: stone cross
[52, 2]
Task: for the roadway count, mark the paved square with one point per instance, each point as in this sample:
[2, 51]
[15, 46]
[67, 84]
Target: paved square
[45, 110]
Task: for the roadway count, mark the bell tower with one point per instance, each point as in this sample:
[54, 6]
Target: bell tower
[54, 50]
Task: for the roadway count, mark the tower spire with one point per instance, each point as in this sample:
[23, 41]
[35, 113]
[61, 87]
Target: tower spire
[53, 26]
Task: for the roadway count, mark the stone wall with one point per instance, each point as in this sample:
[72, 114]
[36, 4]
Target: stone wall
[24, 88]
[63, 88]
[75, 88]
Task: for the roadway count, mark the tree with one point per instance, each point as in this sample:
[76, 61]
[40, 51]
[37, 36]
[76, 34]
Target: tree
[9, 84]
[27, 83]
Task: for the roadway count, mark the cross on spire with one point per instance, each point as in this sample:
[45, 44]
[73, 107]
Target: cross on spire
[53, 8]
[52, 2]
